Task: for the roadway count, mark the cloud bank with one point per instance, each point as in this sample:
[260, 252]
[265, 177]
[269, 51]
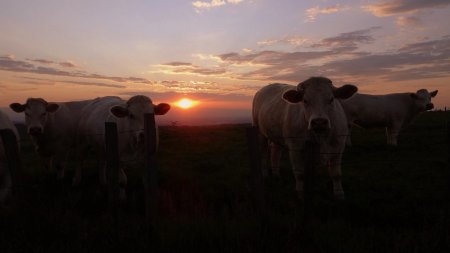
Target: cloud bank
[394, 7]
[9, 63]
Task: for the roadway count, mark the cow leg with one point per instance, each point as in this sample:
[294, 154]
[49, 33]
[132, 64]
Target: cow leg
[77, 177]
[264, 151]
[392, 135]
[5, 182]
[348, 139]
[60, 164]
[334, 169]
[297, 162]
[275, 156]
[48, 162]
[102, 174]
[59, 171]
[122, 185]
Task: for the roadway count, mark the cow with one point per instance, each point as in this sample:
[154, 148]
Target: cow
[129, 117]
[51, 127]
[287, 116]
[391, 111]
[5, 175]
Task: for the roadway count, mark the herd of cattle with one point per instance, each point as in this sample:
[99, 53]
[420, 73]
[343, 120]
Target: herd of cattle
[287, 117]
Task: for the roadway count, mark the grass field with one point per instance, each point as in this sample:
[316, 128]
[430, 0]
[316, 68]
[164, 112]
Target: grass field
[397, 199]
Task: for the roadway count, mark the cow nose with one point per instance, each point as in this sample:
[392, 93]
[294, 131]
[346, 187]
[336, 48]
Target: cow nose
[429, 106]
[35, 131]
[319, 124]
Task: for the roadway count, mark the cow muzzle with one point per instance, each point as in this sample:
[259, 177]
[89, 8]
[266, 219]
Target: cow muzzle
[320, 125]
[35, 131]
[429, 106]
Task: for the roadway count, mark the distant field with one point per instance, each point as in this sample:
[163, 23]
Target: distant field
[397, 199]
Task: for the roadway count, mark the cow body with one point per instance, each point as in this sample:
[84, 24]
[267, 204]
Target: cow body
[287, 116]
[392, 111]
[5, 175]
[51, 127]
[129, 117]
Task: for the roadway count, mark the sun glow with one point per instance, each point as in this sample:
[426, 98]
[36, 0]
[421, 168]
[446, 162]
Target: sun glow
[186, 103]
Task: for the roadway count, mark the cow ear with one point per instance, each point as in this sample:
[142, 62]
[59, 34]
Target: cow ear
[434, 93]
[18, 107]
[119, 111]
[414, 95]
[345, 91]
[161, 108]
[51, 107]
[293, 96]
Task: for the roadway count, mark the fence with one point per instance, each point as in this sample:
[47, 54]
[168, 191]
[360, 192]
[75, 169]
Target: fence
[112, 157]
[150, 175]
[311, 154]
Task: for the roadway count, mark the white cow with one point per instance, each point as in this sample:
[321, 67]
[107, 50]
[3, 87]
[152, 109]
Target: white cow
[52, 128]
[129, 117]
[288, 115]
[392, 111]
[5, 176]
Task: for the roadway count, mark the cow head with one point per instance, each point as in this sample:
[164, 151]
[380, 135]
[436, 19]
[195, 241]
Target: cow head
[133, 111]
[422, 99]
[36, 114]
[318, 96]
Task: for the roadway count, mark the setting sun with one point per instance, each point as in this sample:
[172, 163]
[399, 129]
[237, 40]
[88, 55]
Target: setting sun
[186, 103]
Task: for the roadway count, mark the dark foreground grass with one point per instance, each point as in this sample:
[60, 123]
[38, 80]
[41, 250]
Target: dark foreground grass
[397, 200]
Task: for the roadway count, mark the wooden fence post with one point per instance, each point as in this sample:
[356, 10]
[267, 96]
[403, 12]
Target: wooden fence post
[112, 168]
[11, 148]
[448, 159]
[150, 180]
[256, 170]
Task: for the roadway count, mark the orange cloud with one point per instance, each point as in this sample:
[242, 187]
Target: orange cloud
[202, 5]
[312, 13]
[394, 7]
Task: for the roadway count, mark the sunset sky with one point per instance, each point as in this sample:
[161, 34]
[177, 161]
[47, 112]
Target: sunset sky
[219, 52]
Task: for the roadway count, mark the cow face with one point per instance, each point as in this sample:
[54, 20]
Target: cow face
[134, 111]
[36, 114]
[317, 94]
[422, 99]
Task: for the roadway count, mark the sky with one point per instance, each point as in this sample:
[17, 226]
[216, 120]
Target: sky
[218, 52]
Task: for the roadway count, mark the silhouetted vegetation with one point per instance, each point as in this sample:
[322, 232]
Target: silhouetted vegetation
[397, 199]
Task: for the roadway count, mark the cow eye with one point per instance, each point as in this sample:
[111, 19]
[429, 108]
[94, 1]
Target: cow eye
[131, 116]
[43, 114]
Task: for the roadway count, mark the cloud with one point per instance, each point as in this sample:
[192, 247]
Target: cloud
[394, 7]
[413, 61]
[290, 40]
[348, 40]
[177, 64]
[44, 81]
[409, 21]
[42, 61]
[188, 68]
[67, 64]
[8, 63]
[427, 59]
[202, 5]
[271, 57]
[341, 56]
[312, 13]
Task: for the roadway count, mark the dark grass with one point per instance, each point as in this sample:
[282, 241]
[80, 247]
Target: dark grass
[397, 199]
